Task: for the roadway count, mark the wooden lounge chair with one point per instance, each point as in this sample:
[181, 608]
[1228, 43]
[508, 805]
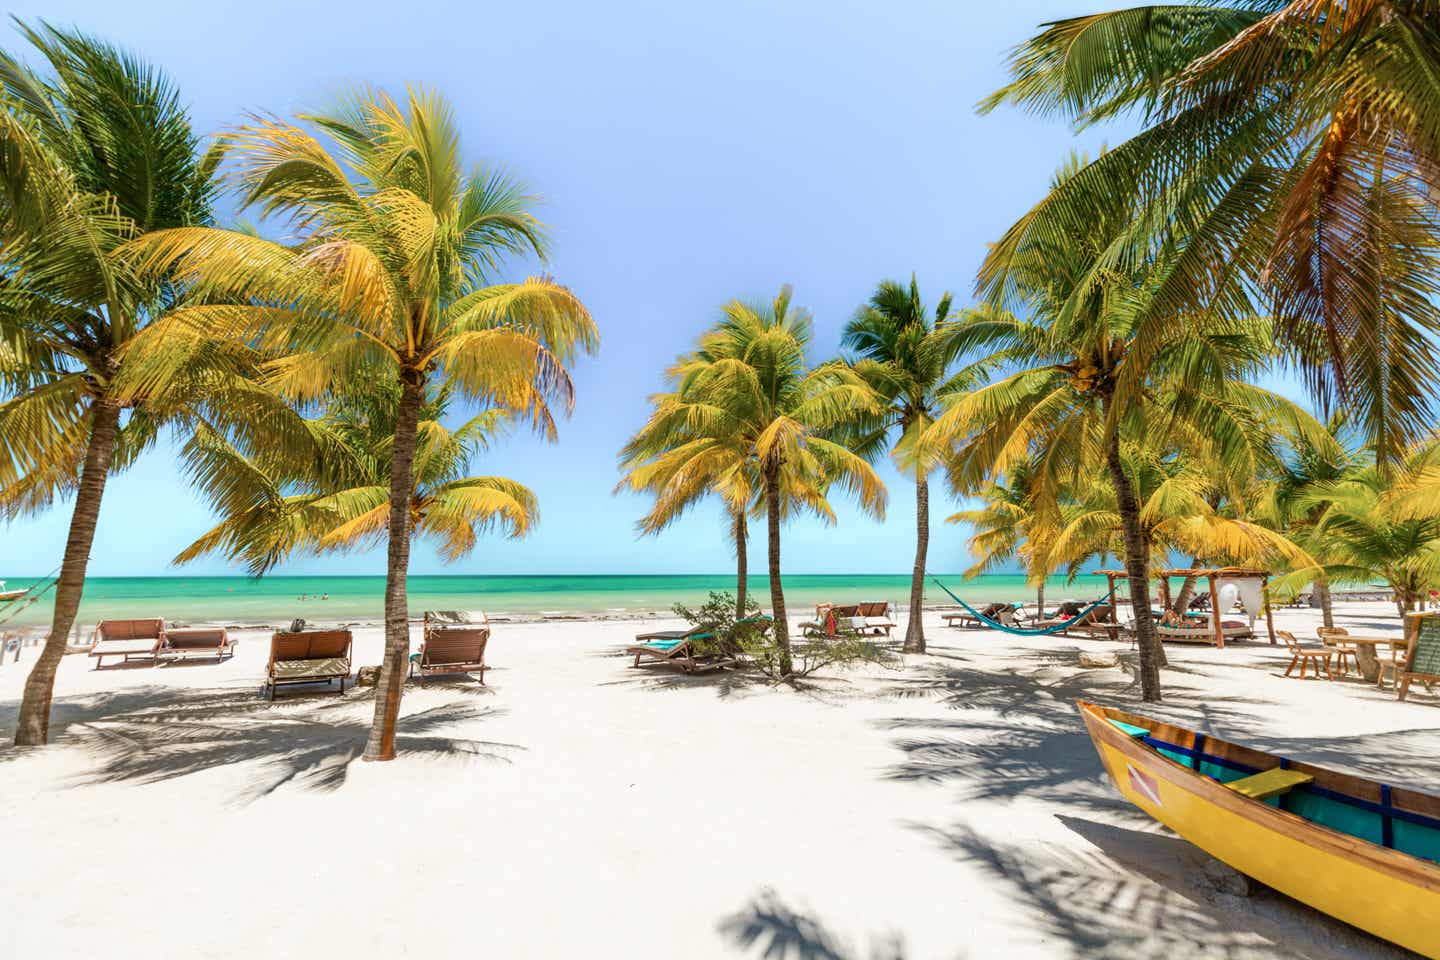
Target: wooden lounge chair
[1099, 622]
[316, 656]
[198, 642]
[964, 618]
[1302, 655]
[876, 617]
[674, 647]
[128, 638]
[451, 650]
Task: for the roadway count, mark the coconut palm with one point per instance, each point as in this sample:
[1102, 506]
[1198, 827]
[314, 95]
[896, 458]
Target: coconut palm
[393, 268]
[906, 354]
[1310, 461]
[1012, 523]
[1101, 358]
[94, 152]
[1180, 495]
[680, 462]
[1291, 145]
[749, 380]
[1371, 534]
[330, 491]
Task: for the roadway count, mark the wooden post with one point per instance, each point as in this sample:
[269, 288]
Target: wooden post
[1269, 620]
[1215, 611]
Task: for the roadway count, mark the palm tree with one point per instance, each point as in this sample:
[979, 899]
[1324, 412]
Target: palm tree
[1178, 492]
[329, 490]
[1371, 532]
[92, 155]
[906, 357]
[680, 462]
[1295, 145]
[392, 271]
[1011, 523]
[1310, 461]
[1103, 346]
[749, 380]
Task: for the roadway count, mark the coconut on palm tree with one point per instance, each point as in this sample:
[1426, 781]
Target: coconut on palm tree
[93, 153]
[1294, 145]
[393, 270]
[325, 486]
[749, 381]
[906, 354]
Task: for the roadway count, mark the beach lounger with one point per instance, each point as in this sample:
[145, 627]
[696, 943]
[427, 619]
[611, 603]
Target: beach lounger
[126, 639]
[875, 615]
[316, 656]
[964, 618]
[1099, 622]
[677, 646]
[451, 650]
[188, 643]
[1232, 629]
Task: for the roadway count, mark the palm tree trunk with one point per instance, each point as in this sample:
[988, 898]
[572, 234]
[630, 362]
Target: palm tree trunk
[1187, 590]
[1137, 568]
[381, 743]
[1322, 597]
[33, 724]
[1040, 600]
[915, 630]
[741, 564]
[781, 626]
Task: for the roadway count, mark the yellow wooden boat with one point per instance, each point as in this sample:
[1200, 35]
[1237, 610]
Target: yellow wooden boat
[1363, 852]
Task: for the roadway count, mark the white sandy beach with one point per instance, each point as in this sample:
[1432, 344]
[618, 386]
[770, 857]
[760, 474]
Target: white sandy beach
[578, 807]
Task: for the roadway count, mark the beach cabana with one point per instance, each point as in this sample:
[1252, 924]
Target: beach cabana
[1238, 584]
[1229, 585]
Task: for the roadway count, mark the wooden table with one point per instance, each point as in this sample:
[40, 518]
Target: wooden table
[1365, 657]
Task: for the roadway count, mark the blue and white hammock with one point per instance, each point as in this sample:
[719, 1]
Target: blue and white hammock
[997, 625]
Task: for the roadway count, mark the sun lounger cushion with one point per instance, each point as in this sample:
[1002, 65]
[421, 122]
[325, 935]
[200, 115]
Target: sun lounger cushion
[878, 622]
[299, 669]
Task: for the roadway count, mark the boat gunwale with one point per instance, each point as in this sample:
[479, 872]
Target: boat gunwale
[1397, 863]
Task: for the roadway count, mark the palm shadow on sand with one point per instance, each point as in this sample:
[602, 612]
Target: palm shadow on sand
[153, 734]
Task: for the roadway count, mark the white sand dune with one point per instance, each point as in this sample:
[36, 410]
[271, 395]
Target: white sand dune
[578, 807]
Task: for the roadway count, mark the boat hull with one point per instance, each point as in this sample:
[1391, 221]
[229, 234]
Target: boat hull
[1387, 893]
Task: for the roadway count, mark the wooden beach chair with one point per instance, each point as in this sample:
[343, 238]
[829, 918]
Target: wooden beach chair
[1419, 659]
[316, 656]
[1302, 655]
[1099, 622]
[198, 643]
[876, 617]
[964, 618]
[674, 647]
[1334, 638]
[128, 638]
[452, 649]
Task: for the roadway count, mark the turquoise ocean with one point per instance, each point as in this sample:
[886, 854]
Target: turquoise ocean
[243, 600]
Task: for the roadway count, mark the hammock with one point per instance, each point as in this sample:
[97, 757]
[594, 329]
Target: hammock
[997, 625]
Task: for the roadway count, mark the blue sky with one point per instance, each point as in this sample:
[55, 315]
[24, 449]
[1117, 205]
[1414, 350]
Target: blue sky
[689, 153]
